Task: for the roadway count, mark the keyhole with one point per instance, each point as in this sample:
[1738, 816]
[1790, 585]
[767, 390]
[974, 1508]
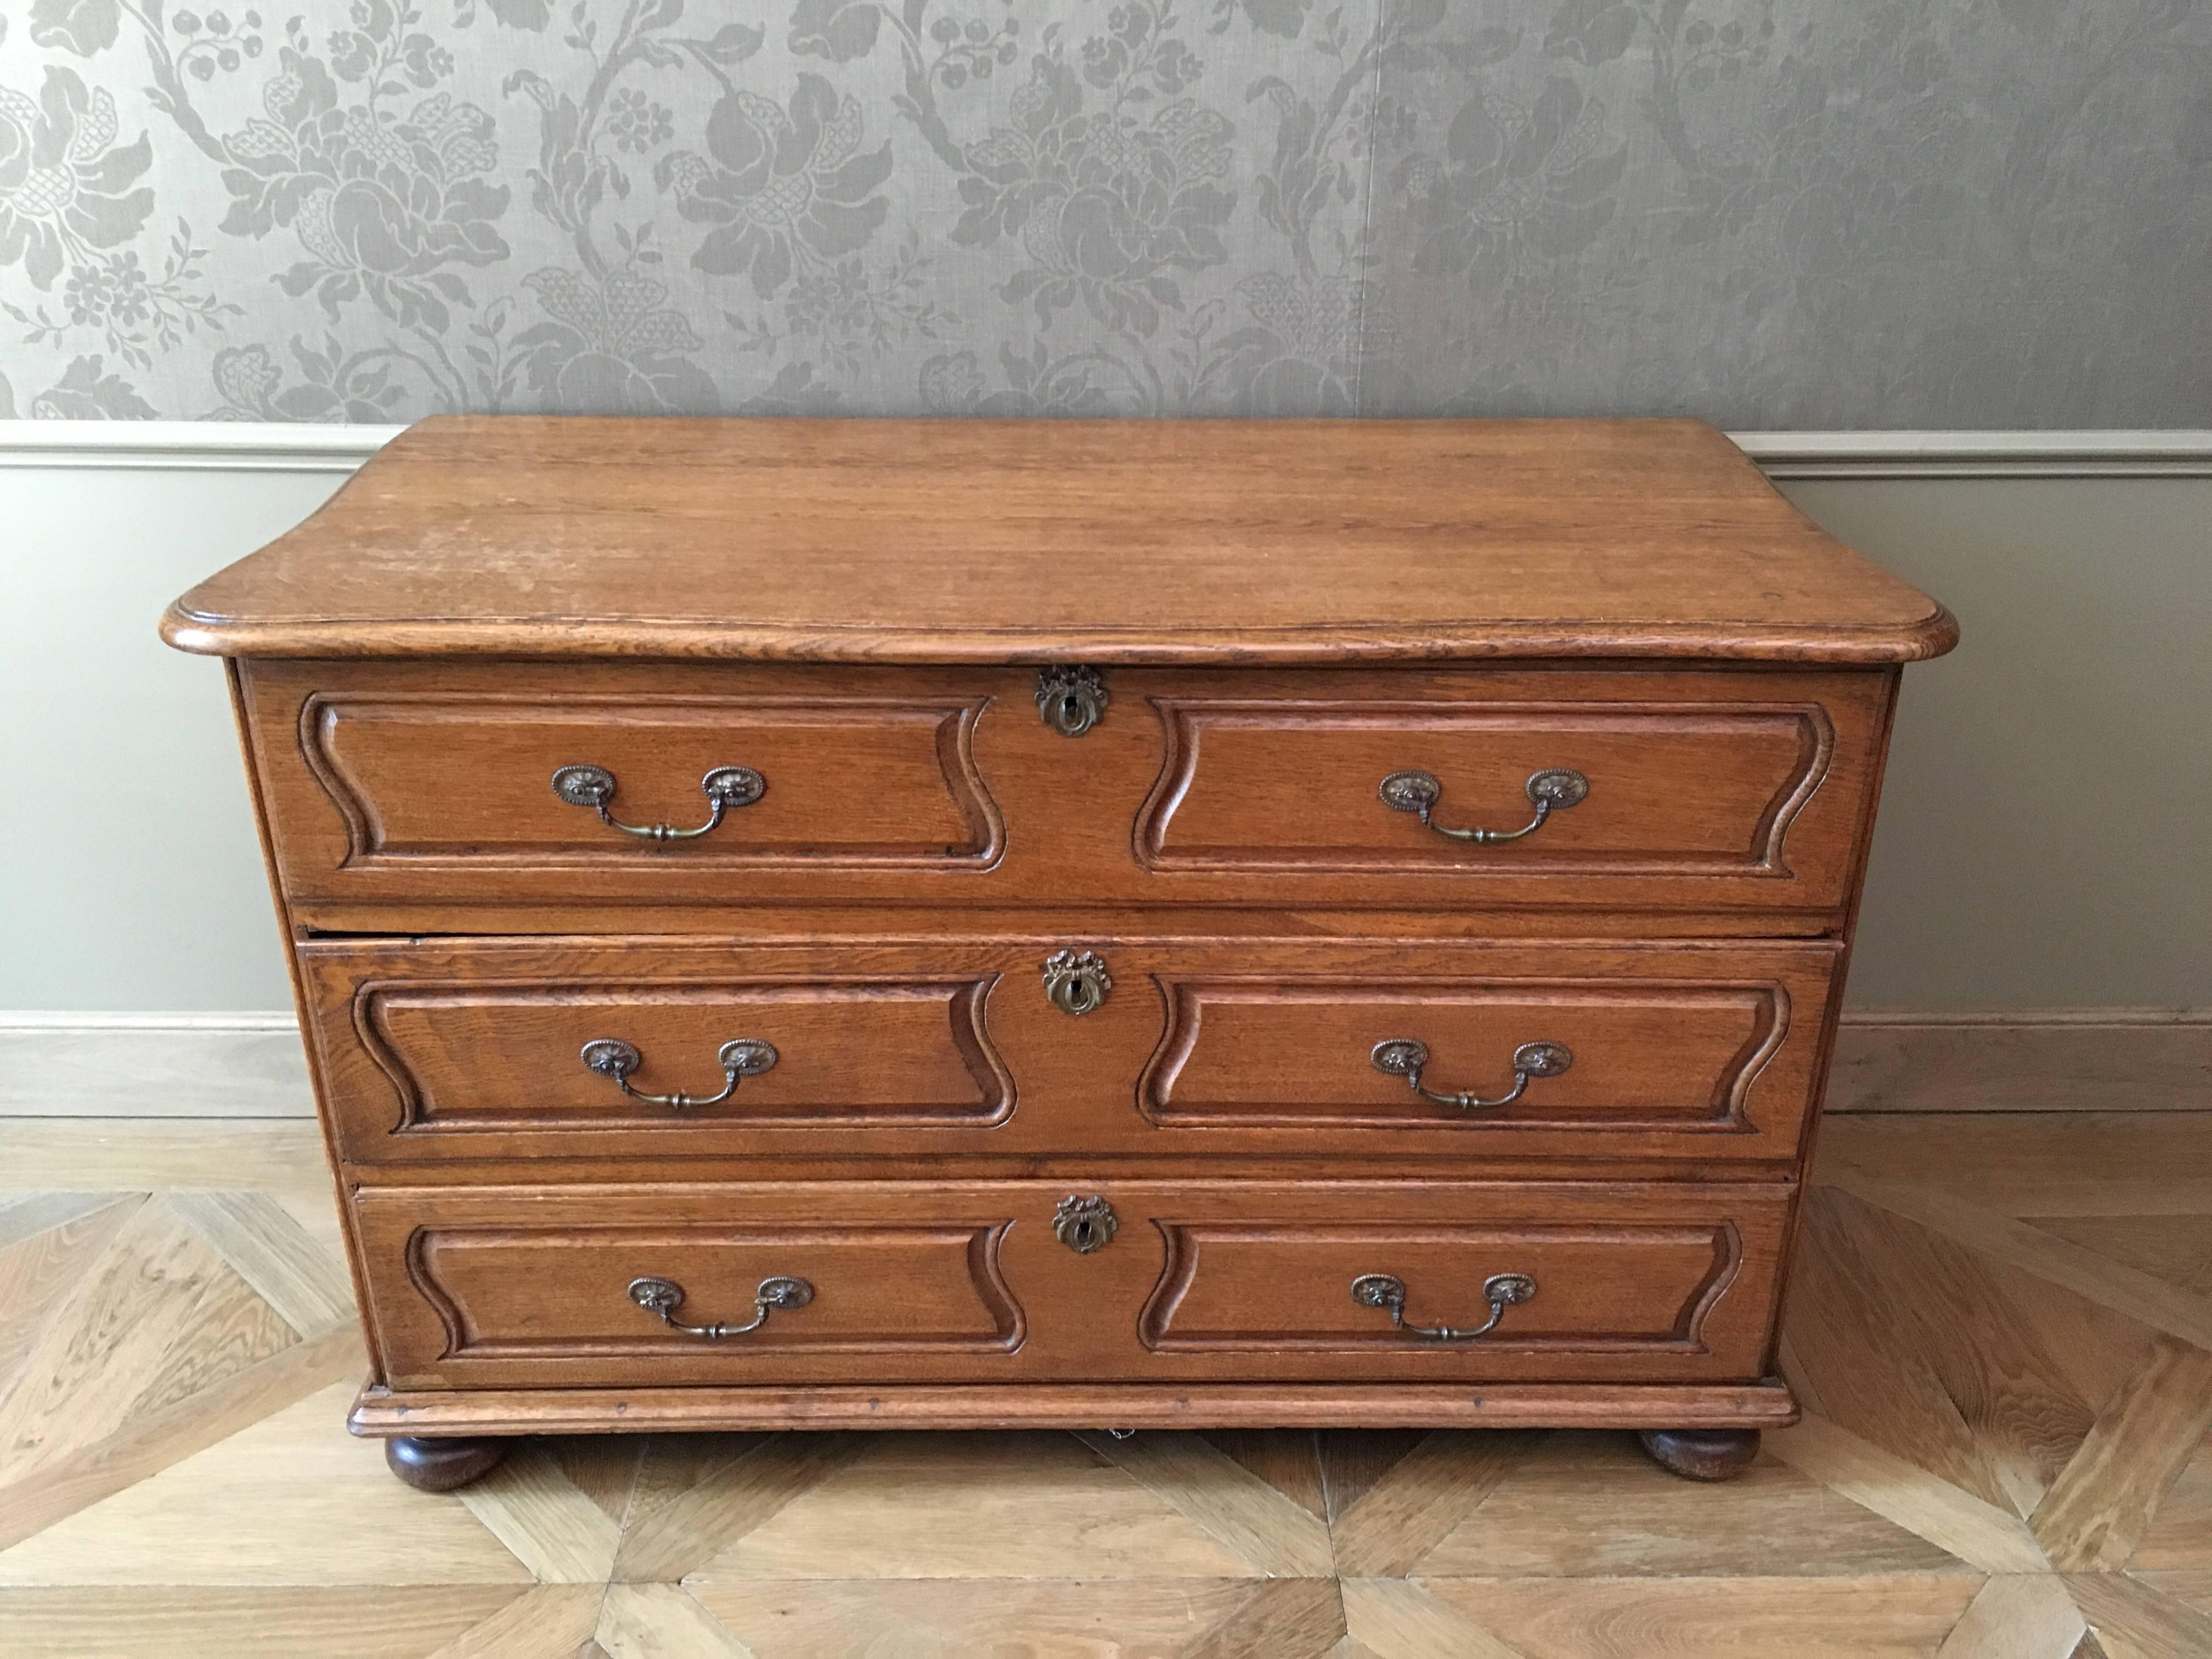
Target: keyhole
[1082, 1235]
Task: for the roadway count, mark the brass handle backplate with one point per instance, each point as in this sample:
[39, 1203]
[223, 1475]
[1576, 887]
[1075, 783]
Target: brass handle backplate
[1501, 1291]
[1071, 700]
[745, 1057]
[664, 1297]
[725, 786]
[1553, 789]
[1403, 1057]
[1077, 981]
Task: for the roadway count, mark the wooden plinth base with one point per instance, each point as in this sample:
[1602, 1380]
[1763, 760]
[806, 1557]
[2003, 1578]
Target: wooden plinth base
[1676, 1408]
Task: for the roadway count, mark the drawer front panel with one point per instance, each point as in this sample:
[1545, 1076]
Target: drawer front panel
[419, 796]
[1235, 1288]
[466, 1288]
[891, 1048]
[1221, 1280]
[1693, 784]
[465, 783]
[1656, 1282]
[1613, 1054]
[475, 1051]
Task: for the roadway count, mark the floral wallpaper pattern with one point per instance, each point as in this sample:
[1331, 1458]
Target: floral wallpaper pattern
[1771, 213]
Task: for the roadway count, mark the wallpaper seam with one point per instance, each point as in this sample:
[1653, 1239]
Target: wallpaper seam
[1361, 288]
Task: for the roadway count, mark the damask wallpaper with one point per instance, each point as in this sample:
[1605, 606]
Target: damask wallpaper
[1771, 213]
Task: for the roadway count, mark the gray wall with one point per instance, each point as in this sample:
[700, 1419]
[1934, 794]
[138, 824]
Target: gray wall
[2045, 840]
[1773, 213]
[2046, 837]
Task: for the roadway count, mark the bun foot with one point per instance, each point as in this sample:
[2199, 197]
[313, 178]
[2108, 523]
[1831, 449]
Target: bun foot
[1701, 1454]
[442, 1465]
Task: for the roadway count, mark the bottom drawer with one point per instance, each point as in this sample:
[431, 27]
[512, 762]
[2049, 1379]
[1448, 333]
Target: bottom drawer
[1221, 1281]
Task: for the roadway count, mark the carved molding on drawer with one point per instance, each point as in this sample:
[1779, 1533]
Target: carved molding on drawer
[1400, 847]
[1002, 1325]
[725, 1006]
[1338, 1324]
[835, 801]
[1701, 1022]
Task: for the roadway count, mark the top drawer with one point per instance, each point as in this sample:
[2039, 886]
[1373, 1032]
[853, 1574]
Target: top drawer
[566, 795]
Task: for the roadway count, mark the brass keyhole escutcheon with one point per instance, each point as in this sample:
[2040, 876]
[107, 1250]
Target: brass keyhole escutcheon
[1084, 1225]
[1071, 700]
[1077, 981]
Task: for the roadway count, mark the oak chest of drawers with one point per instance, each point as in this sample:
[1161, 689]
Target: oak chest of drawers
[867, 923]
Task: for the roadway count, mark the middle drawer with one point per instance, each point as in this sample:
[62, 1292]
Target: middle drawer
[501, 1049]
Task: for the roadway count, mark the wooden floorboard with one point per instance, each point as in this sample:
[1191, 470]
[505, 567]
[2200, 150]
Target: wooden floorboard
[1998, 1326]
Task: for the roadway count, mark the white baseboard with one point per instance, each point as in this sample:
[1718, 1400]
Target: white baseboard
[1784, 455]
[250, 1066]
[2135, 1060]
[243, 1065]
[274, 446]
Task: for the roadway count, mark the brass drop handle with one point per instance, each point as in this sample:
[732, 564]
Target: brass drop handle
[725, 786]
[1403, 1057]
[613, 1058]
[1554, 789]
[664, 1296]
[1501, 1291]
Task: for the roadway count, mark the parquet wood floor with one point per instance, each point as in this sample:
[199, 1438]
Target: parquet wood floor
[2002, 1326]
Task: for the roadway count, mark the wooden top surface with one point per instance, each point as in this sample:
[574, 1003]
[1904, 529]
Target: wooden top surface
[1030, 541]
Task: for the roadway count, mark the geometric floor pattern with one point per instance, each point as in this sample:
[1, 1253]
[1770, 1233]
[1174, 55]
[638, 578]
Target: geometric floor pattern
[2001, 1328]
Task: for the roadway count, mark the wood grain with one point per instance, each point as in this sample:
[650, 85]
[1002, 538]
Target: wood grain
[1285, 1618]
[288, 1270]
[687, 1530]
[549, 1621]
[952, 541]
[964, 1282]
[1712, 1617]
[660, 1621]
[552, 1527]
[98, 1155]
[2100, 1506]
[982, 804]
[2088, 1162]
[1006, 1506]
[1590, 1507]
[1390, 1528]
[240, 1519]
[447, 1051]
[2152, 1301]
[2134, 1620]
[2046, 1060]
[859, 612]
[380, 1411]
[174, 1621]
[1956, 1522]
[1397, 1618]
[1277, 1536]
[235, 1514]
[148, 1443]
[158, 1316]
[1048, 1617]
[2017, 1618]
